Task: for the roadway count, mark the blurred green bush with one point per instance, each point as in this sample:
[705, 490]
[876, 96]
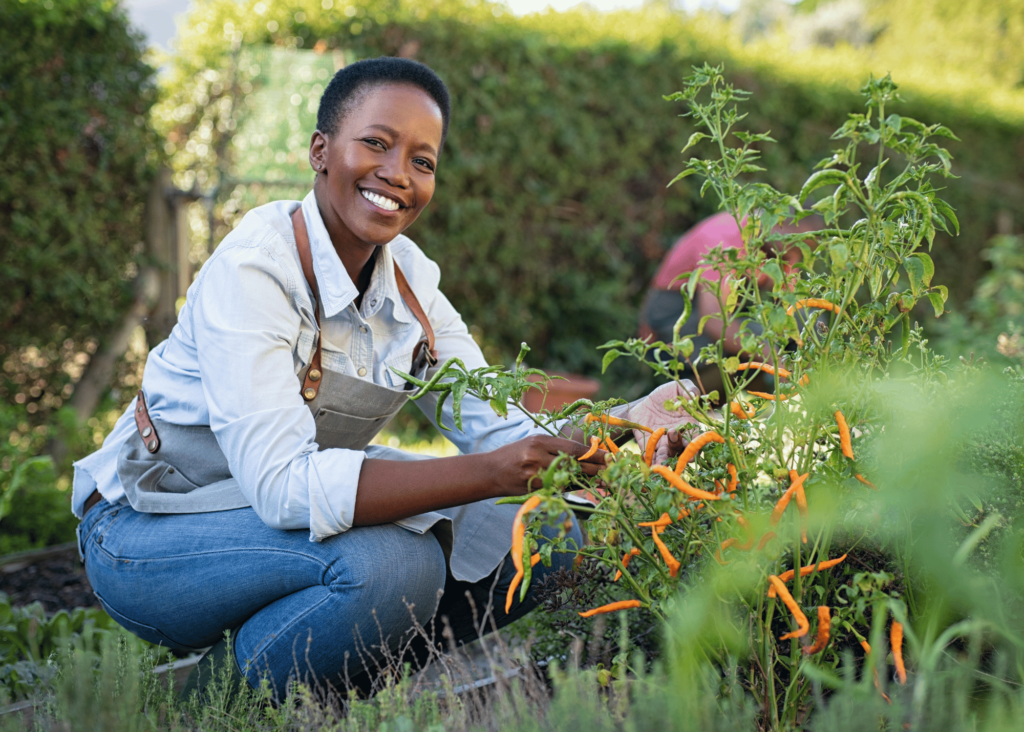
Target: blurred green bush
[551, 211]
[77, 153]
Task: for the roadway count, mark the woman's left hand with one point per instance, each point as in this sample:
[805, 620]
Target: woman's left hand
[652, 412]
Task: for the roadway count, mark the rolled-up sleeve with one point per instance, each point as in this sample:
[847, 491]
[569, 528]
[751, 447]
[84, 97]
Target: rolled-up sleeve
[245, 327]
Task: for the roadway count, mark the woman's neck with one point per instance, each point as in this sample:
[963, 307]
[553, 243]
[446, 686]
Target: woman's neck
[356, 257]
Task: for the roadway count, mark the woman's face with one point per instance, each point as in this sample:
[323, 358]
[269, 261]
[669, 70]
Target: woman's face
[376, 172]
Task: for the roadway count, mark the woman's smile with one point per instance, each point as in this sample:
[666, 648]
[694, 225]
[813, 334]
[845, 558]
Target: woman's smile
[381, 201]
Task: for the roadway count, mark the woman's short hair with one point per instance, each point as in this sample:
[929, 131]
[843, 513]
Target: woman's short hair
[351, 83]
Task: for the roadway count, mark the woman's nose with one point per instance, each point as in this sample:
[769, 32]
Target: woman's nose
[394, 173]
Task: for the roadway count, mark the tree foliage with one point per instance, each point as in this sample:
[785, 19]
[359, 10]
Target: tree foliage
[76, 153]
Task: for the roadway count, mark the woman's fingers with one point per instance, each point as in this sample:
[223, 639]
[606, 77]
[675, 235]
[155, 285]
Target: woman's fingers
[675, 443]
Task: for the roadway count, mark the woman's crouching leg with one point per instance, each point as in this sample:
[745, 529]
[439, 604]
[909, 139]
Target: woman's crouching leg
[384, 582]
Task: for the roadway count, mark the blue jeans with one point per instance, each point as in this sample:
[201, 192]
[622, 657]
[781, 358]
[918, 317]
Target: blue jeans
[328, 611]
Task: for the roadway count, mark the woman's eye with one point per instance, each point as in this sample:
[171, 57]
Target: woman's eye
[374, 142]
[424, 163]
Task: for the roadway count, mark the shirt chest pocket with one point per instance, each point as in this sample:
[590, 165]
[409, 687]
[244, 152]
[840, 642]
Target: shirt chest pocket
[330, 360]
[403, 362]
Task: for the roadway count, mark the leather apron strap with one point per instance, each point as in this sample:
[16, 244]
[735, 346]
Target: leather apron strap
[423, 355]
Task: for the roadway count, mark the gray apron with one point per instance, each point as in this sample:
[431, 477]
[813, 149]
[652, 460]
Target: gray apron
[168, 468]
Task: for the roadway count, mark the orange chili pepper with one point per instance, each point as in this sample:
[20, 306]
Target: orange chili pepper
[612, 607]
[515, 582]
[769, 369]
[519, 530]
[896, 640]
[672, 562]
[616, 422]
[867, 649]
[734, 479]
[804, 571]
[696, 446]
[662, 521]
[801, 504]
[787, 599]
[678, 483]
[865, 481]
[769, 397]
[765, 539]
[824, 626]
[610, 446]
[844, 435]
[652, 444]
[795, 486]
[625, 561]
[739, 413]
[812, 302]
[595, 445]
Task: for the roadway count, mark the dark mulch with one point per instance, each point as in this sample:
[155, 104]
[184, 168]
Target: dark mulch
[58, 581]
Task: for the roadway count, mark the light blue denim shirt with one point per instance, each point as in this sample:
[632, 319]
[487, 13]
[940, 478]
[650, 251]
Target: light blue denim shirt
[245, 334]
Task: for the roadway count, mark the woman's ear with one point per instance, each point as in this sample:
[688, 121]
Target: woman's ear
[318, 145]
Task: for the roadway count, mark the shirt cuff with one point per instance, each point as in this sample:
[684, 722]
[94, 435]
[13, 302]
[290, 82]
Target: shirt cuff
[332, 510]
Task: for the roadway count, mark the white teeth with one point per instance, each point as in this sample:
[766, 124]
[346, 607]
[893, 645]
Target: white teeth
[380, 201]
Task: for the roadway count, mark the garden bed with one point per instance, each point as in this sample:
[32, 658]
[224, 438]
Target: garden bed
[54, 577]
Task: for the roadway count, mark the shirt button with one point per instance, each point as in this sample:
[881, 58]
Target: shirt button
[362, 371]
[373, 303]
[362, 328]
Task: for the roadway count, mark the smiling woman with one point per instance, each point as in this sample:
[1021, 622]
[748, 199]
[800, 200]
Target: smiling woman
[239, 491]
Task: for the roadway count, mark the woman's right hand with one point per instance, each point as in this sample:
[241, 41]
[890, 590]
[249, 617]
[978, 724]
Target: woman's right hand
[517, 464]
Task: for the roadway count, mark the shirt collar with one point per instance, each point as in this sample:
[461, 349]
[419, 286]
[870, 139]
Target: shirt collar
[337, 291]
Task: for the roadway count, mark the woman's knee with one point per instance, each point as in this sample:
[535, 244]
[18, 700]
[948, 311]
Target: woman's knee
[392, 567]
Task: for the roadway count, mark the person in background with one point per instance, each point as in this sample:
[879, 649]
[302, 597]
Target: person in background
[664, 303]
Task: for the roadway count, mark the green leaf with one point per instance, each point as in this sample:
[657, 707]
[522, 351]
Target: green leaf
[821, 178]
[684, 174]
[691, 284]
[440, 409]
[915, 272]
[947, 211]
[705, 319]
[500, 407]
[929, 267]
[839, 254]
[609, 358]
[773, 270]
[694, 139]
[938, 303]
[458, 392]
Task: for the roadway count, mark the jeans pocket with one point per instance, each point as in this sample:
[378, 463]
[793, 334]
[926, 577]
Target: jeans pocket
[143, 631]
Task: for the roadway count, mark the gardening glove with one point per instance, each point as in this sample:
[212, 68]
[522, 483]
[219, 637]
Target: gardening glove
[653, 412]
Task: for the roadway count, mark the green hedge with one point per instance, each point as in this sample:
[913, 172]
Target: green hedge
[551, 211]
[76, 157]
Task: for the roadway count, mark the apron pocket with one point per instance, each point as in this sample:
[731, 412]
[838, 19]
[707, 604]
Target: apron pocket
[173, 480]
[335, 429]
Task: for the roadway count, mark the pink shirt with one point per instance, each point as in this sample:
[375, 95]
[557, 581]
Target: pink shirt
[687, 254]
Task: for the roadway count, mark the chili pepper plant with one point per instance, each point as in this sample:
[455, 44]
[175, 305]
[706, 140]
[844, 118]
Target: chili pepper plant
[775, 506]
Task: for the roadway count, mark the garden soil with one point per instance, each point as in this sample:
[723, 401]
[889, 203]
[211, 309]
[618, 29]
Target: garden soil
[57, 580]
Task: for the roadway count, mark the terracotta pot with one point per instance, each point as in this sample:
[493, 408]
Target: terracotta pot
[561, 392]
